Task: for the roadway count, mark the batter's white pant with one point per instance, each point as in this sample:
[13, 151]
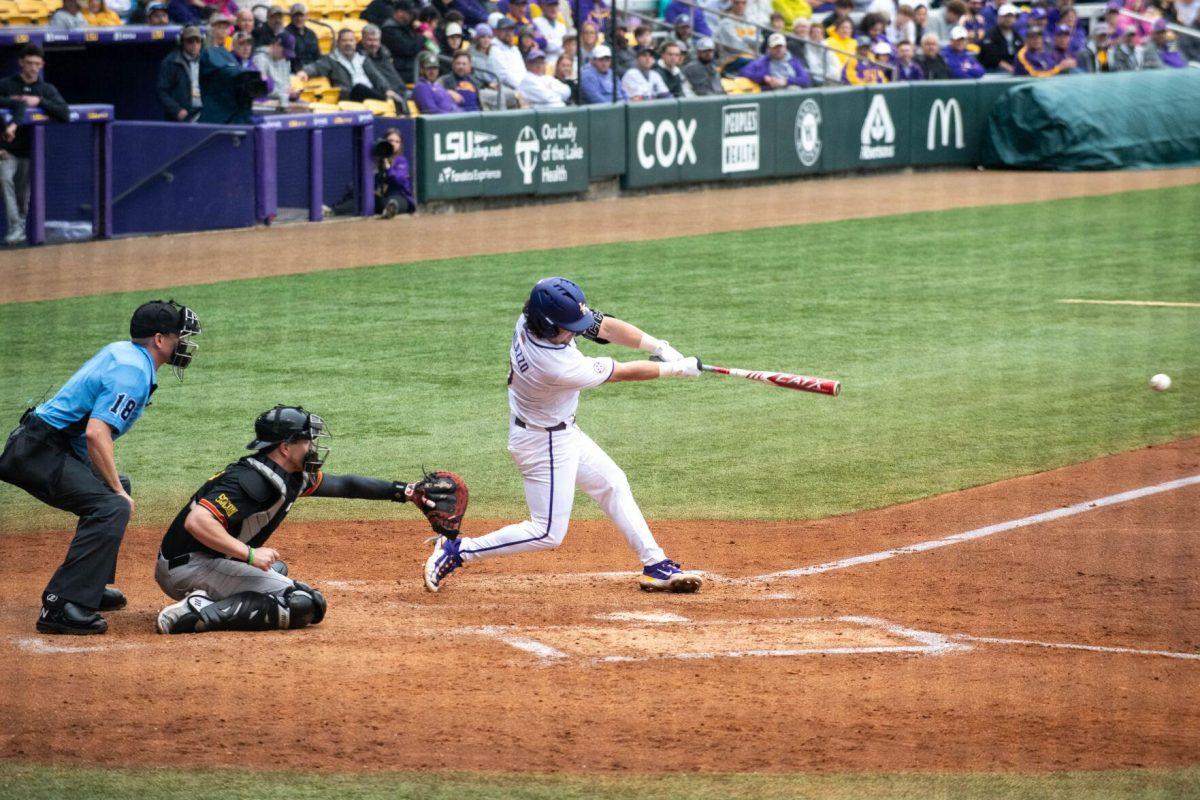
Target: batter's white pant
[553, 463]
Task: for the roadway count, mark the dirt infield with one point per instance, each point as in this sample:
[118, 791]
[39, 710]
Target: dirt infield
[158, 262]
[960, 657]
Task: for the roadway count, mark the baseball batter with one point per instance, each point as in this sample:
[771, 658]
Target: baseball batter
[546, 374]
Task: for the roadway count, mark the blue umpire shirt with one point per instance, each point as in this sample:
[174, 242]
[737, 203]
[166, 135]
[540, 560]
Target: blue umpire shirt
[113, 386]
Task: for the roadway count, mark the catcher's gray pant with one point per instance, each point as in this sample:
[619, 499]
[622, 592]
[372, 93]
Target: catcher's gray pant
[218, 576]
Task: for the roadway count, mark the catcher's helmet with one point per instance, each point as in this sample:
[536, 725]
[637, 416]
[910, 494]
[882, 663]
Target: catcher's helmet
[556, 303]
[167, 316]
[290, 424]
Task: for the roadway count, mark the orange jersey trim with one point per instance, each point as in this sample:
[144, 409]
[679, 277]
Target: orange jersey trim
[216, 512]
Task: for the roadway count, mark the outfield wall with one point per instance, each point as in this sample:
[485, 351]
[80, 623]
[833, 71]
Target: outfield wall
[704, 139]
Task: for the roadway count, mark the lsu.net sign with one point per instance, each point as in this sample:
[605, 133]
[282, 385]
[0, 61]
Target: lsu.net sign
[740, 138]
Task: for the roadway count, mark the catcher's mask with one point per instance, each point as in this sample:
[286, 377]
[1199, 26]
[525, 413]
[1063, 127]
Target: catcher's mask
[292, 424]
[167, 316]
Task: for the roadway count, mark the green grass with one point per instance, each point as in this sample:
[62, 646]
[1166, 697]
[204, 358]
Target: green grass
[55, 783]
[959, 367]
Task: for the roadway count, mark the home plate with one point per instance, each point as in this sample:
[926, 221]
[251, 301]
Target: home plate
[631, 636]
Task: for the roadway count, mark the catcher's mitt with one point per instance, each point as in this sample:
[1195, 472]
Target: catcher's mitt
[442, 498]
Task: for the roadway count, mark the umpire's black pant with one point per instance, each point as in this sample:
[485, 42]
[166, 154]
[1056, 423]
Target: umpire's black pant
[39, 459]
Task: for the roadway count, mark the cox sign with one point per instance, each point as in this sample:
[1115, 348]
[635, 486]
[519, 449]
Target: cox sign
[668, 143]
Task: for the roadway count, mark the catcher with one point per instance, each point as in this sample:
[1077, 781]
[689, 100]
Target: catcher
[213, 558]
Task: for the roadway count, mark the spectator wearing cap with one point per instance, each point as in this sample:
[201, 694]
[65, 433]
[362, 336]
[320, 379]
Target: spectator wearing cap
[669, 59]
[959, 60]
[430, 96]
[946, 19]
[1070, 18]
[597, 78]
[377, 12]
[539, 89]
[793, 10]
[1036, 17]
[68, 18]
[642, 82]
[676, 11]
[506, 57]
[1061, 48]
[157, 16]
[307, 48]
[18, 93]
[862, 69]
[737, 39]
[842, 44]
[402, 39]
[219, 28]
[351, 72]
[551, 28]
[998, 51]
[1035, 60]
[451, 39]
[778, 69]
[266, 33]
[907, 69]
[1124, 54]
[702, 75]
[228, 85]
[98, 15]
[1161, 52]
[461, 79]
[930, 59]
[685, 36]
[1093, 57]
[179, 78]
[275, 63]
[473, 11]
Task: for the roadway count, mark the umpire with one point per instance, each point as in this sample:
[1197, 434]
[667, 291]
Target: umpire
[62, 454]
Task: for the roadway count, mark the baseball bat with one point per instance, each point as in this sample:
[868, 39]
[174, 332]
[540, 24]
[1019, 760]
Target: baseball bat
[801, 383]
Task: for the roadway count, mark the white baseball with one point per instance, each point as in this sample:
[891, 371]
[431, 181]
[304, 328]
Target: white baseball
[1160, 382]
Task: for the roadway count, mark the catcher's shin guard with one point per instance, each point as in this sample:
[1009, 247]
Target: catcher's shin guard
[295, 607]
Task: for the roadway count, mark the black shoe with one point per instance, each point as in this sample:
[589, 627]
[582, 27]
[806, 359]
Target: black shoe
[391, 209]
[113, 599]
[71, 619]
[280, 567]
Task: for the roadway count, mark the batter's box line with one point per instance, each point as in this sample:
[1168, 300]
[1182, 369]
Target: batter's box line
[927, 643]
[1090, 648]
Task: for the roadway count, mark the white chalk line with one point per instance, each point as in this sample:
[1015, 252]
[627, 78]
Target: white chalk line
[642, 616]
[989, 530]
[1093, 648]
[928, 643]
[1153, 303]
[31, 644]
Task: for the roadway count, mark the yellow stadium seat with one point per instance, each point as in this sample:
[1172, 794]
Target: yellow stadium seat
[740, 86]
[413, 111]
[351, 105]
[322, 108]
[380, 108]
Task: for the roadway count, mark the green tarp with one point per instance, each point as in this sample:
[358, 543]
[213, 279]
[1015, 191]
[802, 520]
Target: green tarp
[1095, 122]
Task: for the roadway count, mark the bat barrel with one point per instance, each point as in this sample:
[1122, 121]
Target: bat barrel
[786, 380]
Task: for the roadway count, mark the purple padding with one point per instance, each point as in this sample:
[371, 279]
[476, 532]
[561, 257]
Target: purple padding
[338, 164]
[292, 164]
[212, 187]
[69, 173]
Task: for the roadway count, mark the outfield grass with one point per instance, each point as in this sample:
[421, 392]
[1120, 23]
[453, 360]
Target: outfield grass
[959, 367]
[18, 782]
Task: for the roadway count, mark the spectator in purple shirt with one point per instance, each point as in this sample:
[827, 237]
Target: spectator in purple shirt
[906, 68]
[778, 69]
[959, 60]
[430, 96]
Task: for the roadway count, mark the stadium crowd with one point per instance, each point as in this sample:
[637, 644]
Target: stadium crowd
[400, 58]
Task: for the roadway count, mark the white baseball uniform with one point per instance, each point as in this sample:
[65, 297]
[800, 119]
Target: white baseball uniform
[555, 456]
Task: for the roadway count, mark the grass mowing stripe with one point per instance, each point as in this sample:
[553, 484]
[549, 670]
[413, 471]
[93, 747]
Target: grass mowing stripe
[21, 782]
[958, 364]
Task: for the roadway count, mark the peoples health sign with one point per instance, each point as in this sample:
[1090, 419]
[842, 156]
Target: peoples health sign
[740, 140]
